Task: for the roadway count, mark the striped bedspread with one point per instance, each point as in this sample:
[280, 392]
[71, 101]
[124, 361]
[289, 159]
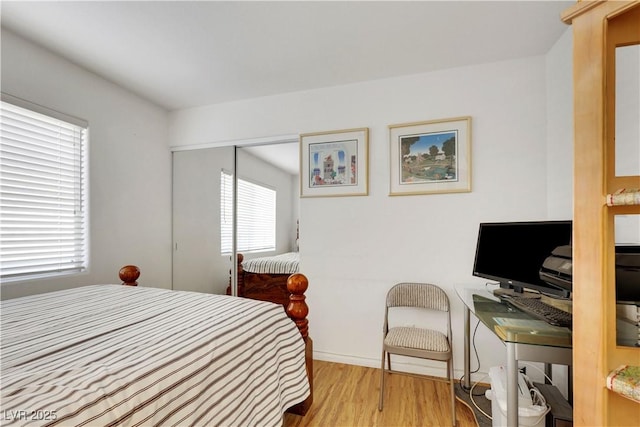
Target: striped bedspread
[279, 264]
[118, 355]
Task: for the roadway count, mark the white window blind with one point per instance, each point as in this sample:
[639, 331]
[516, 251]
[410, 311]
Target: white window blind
[43, 194]
[256, 216]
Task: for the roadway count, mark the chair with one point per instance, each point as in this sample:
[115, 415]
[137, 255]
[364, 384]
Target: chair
[416, 341]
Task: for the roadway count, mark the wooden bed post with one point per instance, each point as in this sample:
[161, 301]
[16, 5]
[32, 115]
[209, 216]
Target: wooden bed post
[298, 310]
[129, 274]
[240, 276]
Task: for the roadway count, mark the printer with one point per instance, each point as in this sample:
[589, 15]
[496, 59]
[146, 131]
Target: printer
[557, 270]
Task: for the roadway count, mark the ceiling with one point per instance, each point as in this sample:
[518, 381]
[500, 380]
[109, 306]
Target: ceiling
[182, 54]
[284, 156]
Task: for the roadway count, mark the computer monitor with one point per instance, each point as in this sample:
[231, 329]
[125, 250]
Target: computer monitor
[628, 274]
[512, 253]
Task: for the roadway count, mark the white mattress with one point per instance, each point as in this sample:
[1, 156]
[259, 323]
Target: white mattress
[120, 355]
[279, 264]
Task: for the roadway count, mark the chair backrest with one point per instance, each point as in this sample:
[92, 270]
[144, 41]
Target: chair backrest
[422, 295]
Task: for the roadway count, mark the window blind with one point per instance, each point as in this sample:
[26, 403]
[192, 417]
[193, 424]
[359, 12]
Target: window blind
[256, 220]
[43, 194]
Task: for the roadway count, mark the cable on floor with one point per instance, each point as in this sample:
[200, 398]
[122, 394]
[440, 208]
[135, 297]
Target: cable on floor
[475, 350]
[474, 402]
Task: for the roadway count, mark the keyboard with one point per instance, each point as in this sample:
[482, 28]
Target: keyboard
[536, 308]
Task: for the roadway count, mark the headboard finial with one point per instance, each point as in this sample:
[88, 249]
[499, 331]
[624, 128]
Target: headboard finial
[129, 274]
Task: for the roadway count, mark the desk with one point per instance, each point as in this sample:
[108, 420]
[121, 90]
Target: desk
[525, 337]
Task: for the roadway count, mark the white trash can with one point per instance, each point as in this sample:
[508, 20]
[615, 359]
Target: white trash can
[529, 415]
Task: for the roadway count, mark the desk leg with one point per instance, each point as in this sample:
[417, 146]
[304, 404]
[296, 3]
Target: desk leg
[548, 372]
[570, 384]
[512, 385]
[467, 349]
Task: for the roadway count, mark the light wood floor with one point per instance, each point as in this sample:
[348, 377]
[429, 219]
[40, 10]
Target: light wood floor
[347, 396]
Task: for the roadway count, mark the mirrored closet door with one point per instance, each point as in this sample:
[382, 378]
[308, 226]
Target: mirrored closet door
[199, 216]
[203, 186]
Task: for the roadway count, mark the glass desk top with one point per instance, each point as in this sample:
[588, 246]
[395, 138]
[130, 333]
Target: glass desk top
[509, 323]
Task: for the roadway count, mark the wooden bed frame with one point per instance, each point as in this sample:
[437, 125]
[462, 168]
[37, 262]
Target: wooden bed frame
[295, 306]
[261, 286]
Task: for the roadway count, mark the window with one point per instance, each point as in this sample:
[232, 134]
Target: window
[256, 216]
[43, 192]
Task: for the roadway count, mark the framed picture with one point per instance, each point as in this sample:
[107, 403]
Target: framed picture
[334, 163]
[431, 157]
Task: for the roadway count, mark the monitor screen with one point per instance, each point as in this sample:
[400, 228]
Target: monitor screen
[628, 274]
[512, 253]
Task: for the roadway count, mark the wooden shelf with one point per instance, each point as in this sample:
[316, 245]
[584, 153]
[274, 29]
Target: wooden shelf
[624, 210]
[617, 182]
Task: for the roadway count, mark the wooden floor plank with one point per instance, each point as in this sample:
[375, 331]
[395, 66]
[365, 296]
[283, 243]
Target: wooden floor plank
[347, 396]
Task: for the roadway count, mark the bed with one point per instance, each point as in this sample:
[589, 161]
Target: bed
[128, 355]
[265, 278]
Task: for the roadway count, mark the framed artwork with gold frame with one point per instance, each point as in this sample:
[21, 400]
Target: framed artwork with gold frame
[430, 157]
[334, 163]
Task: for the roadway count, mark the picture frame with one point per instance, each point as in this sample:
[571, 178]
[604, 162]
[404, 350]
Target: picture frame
[430, 157]
[334, 163]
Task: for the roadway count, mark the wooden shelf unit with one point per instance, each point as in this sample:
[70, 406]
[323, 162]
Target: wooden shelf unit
[598, 26]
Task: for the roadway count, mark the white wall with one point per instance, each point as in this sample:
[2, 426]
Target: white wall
[627, 153]
[559, 76]
[354, 248]
[129, 165]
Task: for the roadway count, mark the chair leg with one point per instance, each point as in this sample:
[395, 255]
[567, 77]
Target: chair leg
[381, 382]
[453, 394]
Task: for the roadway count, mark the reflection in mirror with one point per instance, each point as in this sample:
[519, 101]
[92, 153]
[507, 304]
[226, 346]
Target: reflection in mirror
[627, 235]
[627, 107]
[273, 167]
[267, 213]
[198, 262]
